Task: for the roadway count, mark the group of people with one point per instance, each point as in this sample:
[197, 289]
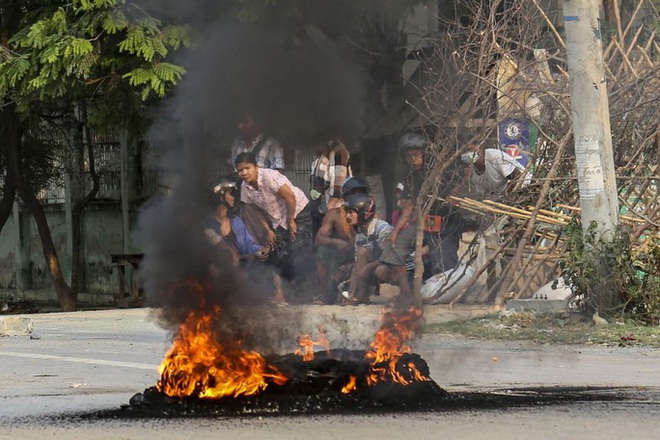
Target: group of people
[276, 232]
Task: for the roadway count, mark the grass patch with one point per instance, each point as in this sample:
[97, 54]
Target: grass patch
[563, 328]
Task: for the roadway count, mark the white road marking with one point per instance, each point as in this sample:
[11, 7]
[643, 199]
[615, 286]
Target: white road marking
[80, 360]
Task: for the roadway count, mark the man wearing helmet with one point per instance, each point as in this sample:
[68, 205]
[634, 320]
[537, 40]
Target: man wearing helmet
[442, 225]
[370, 237]
[335, 241]
[255, 219]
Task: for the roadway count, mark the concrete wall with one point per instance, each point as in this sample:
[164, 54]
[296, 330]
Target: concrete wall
[102, 236]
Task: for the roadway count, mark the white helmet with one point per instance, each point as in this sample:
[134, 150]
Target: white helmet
[412, 140]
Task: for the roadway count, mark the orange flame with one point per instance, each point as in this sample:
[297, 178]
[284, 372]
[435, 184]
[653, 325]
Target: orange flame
[307, 345]
[390, 343]
[198, 365]
[350, 386]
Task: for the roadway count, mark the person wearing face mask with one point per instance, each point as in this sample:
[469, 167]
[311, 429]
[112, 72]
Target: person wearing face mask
[492, 171]
[335, 242]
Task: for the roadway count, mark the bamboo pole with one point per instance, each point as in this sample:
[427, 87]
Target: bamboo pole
[506, 283]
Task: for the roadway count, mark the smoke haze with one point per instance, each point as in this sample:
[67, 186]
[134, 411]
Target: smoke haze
[302, 93]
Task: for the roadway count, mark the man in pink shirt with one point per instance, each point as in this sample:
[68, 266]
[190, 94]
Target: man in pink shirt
[288, 210]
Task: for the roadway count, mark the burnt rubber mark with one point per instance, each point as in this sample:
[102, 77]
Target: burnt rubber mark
[391, 401]
[316, 388]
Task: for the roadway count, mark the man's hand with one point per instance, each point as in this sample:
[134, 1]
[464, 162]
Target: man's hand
[271, 238]
[344, 246]
[392, 237]
[293, 228]
[262, 253]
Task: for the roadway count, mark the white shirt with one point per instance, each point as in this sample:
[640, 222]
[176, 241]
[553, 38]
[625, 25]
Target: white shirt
[269, 182]
[499, 165]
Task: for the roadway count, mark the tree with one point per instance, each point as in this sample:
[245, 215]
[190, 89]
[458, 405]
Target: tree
[492, 66]
[73, 62]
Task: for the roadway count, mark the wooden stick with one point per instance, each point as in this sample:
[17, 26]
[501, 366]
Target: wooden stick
[626, 61]
[550, 24]
[551, 213]
[622, 216]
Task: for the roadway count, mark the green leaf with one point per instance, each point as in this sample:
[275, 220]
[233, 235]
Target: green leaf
[175, 36]
[59, 21]
[81, 46]
[168, 72]
[114, 21]
[89, 5]
[150, 25]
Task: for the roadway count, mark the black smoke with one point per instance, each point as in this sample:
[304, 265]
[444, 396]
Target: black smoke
[300, 91]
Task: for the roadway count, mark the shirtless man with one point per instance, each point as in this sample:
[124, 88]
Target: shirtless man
[335, 242]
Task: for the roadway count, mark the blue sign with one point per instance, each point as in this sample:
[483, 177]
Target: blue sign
[515, 138]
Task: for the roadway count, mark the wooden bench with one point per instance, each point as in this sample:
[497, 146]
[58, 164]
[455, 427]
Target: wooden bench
[121, 261]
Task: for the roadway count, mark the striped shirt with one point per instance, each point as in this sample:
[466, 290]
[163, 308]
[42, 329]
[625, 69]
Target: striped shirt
[330, 169]
[267, 151]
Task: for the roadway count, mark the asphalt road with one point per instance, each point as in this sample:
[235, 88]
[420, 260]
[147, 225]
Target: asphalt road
[80, 363]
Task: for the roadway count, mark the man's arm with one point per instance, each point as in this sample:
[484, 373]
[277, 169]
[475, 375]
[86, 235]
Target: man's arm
[406, 206]
[461, 186]
[512, 178]
[324, 234]
[342, 157]
[286, 194]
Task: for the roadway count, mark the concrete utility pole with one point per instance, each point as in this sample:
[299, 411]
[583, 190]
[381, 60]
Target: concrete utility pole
[591, 116]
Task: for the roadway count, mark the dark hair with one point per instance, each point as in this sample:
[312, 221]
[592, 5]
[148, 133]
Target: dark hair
[246, 157]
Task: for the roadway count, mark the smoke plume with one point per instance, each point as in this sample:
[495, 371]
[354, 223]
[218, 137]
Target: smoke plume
[303, 93]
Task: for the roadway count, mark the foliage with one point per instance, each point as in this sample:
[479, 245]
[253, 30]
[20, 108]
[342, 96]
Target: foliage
[86, 47]
[109, 57]
[643, 298]
[38, 160]
[607, 277]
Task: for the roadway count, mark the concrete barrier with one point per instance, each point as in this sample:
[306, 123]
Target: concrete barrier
[350, 327]
[15, 326]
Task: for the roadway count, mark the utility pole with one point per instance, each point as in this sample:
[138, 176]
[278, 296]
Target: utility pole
[591, 117]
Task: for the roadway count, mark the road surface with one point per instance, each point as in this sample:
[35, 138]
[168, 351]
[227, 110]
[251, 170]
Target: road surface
[79, 363]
